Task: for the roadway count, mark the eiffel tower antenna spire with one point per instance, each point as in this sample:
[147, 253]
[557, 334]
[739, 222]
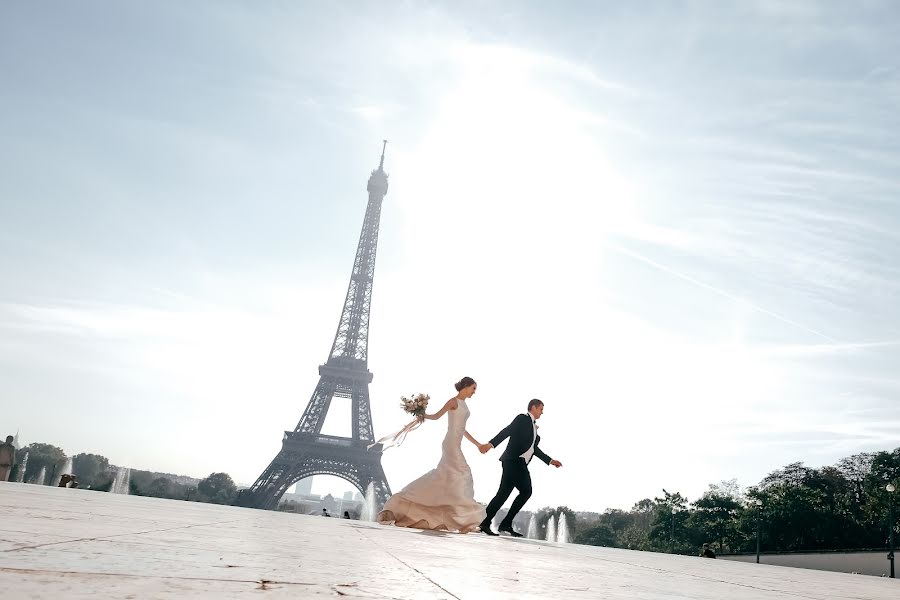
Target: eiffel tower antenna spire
[306, 451]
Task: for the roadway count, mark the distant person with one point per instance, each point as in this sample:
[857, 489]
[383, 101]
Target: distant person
[7, 458]
[67, 480]
[325, 512]
[707, 552]
[346, 514]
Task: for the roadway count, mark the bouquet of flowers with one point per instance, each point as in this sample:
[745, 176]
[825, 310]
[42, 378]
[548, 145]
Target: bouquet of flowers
[416, 404]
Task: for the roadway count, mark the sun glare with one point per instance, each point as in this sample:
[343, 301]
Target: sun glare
[509, 153]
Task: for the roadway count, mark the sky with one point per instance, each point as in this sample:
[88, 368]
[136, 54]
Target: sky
[677, 223]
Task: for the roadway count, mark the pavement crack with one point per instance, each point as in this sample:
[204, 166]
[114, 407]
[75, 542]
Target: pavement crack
[259, 582]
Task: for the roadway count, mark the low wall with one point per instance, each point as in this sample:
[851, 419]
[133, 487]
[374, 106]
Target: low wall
[871, 562]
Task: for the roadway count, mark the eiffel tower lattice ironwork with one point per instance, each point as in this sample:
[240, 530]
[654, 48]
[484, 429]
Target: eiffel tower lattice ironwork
[306, 451]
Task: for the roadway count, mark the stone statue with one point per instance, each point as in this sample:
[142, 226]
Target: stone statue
[7, 458]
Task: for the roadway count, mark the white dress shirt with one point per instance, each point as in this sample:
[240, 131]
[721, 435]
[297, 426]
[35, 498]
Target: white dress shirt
[530, 452]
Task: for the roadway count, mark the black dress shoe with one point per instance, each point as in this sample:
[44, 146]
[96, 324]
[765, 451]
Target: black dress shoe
[486, 529]
[510, 531]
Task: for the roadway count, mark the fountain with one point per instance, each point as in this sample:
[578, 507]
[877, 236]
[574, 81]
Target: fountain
[122, 481]
[532, 534]
[39, 478]
[562, 536]
[20, 478]
[551, 529]
[65, 469]
[368, 510]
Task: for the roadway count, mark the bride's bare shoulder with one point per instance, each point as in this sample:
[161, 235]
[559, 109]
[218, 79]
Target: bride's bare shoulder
[452, 404]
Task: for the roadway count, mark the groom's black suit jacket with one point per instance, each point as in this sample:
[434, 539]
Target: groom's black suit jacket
[520, 433]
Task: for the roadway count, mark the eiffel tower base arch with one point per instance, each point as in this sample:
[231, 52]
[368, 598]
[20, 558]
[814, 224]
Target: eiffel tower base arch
[305, 455]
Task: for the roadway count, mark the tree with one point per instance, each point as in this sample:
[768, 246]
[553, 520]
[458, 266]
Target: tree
[601, 535]
[90, 469]
[632, 528]
[885, 469]
[616, 528]
[716, 516]
[793, 517]
[817, 509]
[103, 482]
[161, 487]
[218, 488]
[642, 512]
[40, 456]
[793, 474]
[729, 488]
[635, 538]
[855, 469]
[669, 522]
[616, 520]
[139, 482]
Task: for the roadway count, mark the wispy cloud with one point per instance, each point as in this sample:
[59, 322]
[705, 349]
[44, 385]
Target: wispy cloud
[814, 350]
[716, 290]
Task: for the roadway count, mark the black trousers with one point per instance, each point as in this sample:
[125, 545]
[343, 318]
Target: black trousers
[515, 476]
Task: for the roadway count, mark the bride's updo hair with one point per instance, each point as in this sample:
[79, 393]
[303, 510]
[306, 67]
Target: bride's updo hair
[463, 383]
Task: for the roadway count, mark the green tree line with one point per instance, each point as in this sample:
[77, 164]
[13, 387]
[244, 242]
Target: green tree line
[795, 508]
[94, 472]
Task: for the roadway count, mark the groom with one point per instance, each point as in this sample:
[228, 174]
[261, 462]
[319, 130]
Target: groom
[523, 444]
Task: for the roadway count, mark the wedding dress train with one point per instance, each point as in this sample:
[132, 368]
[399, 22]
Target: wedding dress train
[443, 498]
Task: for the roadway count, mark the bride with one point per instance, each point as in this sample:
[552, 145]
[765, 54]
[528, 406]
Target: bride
[443, 498]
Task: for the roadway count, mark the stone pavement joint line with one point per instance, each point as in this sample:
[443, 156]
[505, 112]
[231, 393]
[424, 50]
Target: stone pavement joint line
[406, 564]
[106, 537]
[79, 545]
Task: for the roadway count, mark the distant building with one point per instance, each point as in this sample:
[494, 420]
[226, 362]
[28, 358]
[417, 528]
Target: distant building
[312, 504]
[304, 487]
[330, 503]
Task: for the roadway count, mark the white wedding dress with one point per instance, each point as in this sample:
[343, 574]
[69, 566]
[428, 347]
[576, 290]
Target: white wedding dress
[443, 498]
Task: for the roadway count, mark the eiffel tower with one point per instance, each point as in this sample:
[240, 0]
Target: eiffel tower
[305, 451]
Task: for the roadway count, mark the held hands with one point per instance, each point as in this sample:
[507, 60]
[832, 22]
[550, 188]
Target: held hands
[484, 448]
[556, 463]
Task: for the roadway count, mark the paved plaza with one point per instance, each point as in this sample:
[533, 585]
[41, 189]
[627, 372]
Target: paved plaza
[64, 543]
